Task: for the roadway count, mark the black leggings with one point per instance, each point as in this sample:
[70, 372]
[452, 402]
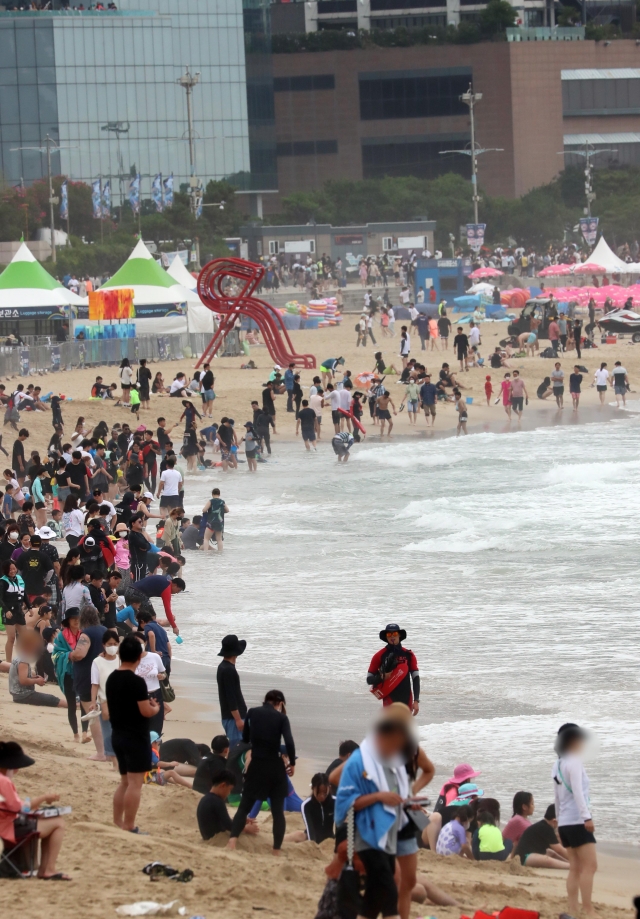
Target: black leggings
[72, 705]
[380, 892]
[277, 812]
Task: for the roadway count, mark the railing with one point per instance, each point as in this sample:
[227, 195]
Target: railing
[545, 33]
[49, 358]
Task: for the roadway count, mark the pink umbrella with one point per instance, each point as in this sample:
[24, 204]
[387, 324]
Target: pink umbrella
[554, 270]
[486, 273]
[589, 268]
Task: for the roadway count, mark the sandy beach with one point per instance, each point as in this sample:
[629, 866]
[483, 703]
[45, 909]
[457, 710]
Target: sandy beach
[106, 863]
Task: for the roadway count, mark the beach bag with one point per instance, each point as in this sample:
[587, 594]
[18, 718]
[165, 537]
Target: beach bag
[348, 895]
[548, 352]
[167, 690]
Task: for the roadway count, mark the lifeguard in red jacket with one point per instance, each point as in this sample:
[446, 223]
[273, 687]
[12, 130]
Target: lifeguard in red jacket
[393, 672]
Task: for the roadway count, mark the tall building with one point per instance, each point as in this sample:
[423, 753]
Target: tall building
[103, 85]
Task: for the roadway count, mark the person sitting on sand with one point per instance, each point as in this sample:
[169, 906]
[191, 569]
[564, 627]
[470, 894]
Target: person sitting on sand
[453, 837]
[317, 812]
[212, 814]
[487, 843]
[498, 359]
[50, 830]
[211, 764]
[523, 807]
[539, 846]
[462, 775]
[23, 679]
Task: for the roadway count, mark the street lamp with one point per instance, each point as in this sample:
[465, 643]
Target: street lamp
[588, 152]
[118, 128]
[470, 98]
[188, 81]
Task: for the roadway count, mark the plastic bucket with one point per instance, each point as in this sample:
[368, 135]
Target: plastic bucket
[469, 400]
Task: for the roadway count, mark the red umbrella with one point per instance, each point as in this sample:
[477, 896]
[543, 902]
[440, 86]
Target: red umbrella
[589, 268]
[486, 273]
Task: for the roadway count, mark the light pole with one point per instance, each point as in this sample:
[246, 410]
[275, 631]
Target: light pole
[470, 98]
[588, 152]
[118, 128]
[188, 81]
[49, 146]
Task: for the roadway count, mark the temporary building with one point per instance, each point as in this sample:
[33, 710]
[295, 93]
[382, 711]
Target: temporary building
[28, 291]
[199, 316]
[160, 302]
[603, 255]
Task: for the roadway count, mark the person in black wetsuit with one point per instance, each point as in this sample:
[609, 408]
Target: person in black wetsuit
[393, 671]
[317, 812]
[266, 776]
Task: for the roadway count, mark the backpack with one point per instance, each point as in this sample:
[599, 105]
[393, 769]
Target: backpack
[548, 352]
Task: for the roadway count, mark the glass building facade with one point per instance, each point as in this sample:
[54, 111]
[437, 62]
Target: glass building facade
[79, 75]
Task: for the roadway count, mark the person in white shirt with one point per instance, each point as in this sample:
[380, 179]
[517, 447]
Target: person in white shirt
[334, 401]
[392, 320]
[316, 402]
[345, 405]
[370, 329]
[573, 813]
[601, 377]
[169, 488]
[474, 334]
[405, 295]
[420, 297]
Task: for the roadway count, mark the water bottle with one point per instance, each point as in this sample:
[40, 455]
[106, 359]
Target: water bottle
[26, 806]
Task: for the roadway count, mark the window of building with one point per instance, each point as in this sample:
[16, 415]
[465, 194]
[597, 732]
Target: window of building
[387, 243]
[304, 83]
[307, 148]
[409, 22]
[379, 5]
[406, 158]
[273, 247]
[337, 6]
[601, 96]
[418, 96]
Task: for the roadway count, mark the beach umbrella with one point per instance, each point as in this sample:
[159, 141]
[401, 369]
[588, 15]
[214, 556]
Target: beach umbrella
[486, 273]
[589, 268]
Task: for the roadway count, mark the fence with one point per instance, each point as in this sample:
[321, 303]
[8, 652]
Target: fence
[68, 355]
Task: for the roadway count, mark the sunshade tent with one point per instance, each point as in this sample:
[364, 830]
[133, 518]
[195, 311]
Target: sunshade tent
[28, 289]
[160, 302]
[199, 316]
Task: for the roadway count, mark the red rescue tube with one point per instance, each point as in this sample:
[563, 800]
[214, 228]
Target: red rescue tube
[347, 414]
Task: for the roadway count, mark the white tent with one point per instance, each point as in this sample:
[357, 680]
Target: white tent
[603, 255]
[199, 317]
[28, 288]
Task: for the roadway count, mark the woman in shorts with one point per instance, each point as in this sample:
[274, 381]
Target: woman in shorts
[12, 604]
[126, 376]
[601, 377]
[575, 822]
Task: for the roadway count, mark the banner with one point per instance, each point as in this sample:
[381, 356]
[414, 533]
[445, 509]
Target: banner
[24, 362]
[199, 200]
[589, 229]
[55, 357]
[168, 191]
[64, 201]
[106, 199]
[134, 193]
[96, 199]
[111, 304]
[156, 193]
[475, 235]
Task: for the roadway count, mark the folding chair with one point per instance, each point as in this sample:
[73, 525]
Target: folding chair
[19, 859]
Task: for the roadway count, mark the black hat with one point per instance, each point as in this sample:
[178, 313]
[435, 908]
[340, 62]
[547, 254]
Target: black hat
[13, 757]
[392, 627]
[232, 646]
[73, 612]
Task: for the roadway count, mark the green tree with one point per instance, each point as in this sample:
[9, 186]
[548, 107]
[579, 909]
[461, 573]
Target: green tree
[497, 16]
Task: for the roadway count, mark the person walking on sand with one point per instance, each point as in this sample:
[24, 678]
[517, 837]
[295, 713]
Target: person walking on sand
[382, 410]
[505, 388]
[575, 820]
[393, 673]
[518, 393]
[214, 511]
[266, 776]
[601, 378]
[130, 709]
[233, 708]
[575, 379]
[463, 415]
[461, 344]
[557, 382]
[620, 383]
[405, 346]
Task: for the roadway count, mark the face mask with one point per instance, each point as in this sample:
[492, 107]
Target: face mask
[111, 650]
[13, 536]
[50, 648]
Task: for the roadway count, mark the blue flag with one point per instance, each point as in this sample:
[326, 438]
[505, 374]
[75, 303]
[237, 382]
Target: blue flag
[168, 191]
[199, 200]
[156, 193]
[134, 193]
[96, 199]
[106, 199]
[64, 201]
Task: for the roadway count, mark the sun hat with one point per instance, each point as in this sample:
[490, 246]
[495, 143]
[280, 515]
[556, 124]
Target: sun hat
[120, 528]
[72, 613]
[141, 428]
[463, 773]
[392, 627]
[12, 756]
[232, 646]
[46, 533]
[466, 792]
[148, 494]
[154, 736]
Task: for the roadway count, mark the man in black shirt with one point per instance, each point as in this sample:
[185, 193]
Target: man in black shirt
[232, 705]
[211, 766]
[213, 816]
[539, 847]
[268, 404]
[17, 458]
[123, 439]
[138, 548]
[307, 419]
[77, 476]
[461, 344]
[33, 565]
[110, 588]
[97, 594]
[162, 435]
[226, 438]
[129, 710]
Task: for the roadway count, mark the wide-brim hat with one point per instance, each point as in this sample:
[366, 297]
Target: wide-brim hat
[72, 613]
[232, 646]
[463, 773]
[12, 756]
[46, 533]
[392, 627]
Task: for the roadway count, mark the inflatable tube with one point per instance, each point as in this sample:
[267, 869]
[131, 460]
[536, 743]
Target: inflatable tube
[394, 679]
[353, 418]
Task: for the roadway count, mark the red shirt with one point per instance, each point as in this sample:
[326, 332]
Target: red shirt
[403, 692]
[10, 807]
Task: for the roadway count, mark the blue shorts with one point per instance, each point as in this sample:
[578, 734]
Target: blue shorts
[412, 406]
[208, 395]
[407, 846]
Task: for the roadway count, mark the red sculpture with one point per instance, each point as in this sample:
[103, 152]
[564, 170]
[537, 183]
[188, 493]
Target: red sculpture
[211, 290]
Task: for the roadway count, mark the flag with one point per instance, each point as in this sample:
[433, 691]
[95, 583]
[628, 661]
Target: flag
[168, 191]
[134, 194]
[156, 193]
[64, 201]
[106, 199]
[199, 200]
[96, 197]
[589, 229]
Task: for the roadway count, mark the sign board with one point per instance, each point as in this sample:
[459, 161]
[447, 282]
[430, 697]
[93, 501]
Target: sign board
[300, 245]
[411, 242]
[356, 239]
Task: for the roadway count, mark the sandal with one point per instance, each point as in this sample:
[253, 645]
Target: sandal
[138, 831]
[56, 877]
